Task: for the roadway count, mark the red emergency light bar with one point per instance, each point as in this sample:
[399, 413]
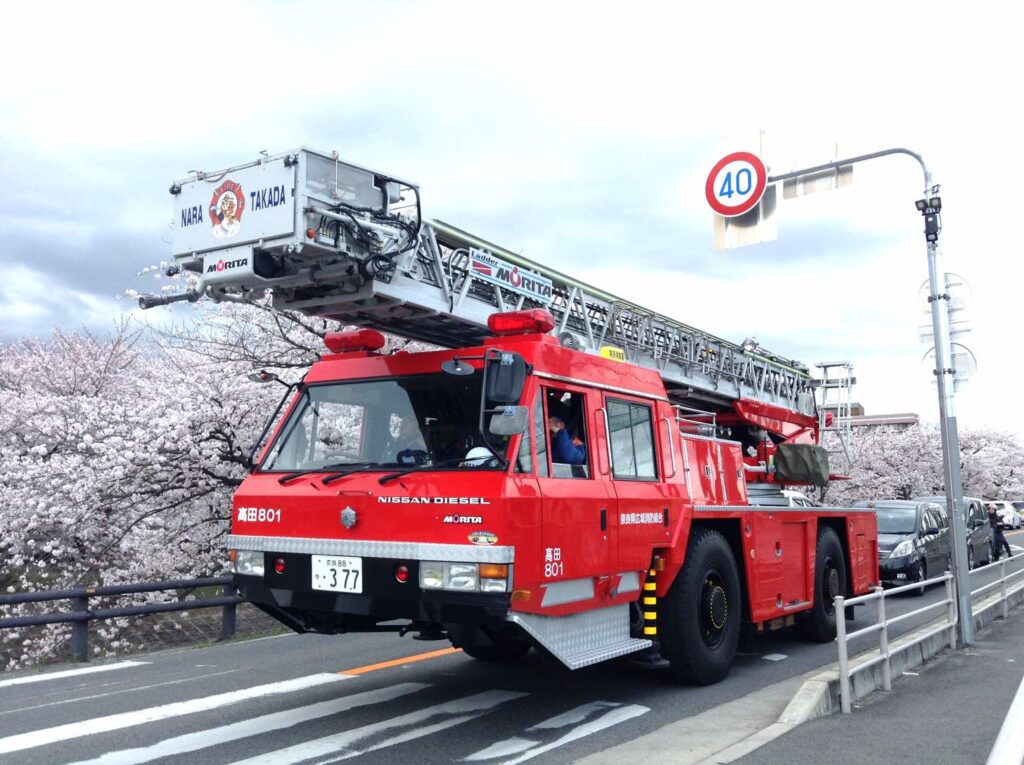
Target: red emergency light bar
[534, 320]
[354, 340]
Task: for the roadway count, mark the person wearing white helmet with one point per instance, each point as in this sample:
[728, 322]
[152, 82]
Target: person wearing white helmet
[477, 456]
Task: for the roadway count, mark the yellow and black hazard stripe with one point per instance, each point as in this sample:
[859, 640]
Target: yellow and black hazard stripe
[650, 605]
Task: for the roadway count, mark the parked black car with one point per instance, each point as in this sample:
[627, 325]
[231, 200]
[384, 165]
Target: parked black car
[913, 540]
[979, 532]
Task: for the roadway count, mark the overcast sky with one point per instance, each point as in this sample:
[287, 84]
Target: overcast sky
[579, 134]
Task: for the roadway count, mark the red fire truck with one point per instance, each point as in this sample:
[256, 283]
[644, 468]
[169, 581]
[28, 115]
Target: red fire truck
[572, 472]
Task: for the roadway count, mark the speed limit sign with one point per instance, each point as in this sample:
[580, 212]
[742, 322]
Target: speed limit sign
[736, 184]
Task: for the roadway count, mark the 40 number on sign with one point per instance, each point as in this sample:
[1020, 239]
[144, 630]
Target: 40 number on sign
[736, 184]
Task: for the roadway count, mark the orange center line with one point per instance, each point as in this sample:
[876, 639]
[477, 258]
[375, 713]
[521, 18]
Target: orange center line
[400, 662]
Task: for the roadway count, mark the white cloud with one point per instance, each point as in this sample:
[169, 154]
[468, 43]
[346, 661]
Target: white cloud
[577, 132]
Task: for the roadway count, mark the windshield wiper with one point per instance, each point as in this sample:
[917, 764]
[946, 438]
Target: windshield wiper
[334, 466]
[432, 466]
[358, 467]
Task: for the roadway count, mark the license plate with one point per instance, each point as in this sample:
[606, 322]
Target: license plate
[337, 574]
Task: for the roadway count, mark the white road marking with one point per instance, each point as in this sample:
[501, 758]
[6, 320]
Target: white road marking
[1009, 745]
[775, 657]
[192, 742]
[117, 692]
[339, 746]
[505, 748]
[607, 720]
[71, 673]
[529, 749]
[128, 719]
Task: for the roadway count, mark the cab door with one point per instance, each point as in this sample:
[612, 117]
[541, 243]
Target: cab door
[637, 478]
[577, 504]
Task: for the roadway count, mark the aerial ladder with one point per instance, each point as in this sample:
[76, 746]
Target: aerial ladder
[333, 239]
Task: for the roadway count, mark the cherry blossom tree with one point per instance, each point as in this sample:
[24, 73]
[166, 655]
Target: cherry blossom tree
[894, 463]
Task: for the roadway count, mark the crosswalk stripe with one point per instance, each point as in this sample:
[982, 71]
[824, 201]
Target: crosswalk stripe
[527, 749]
[70, 673]
[607, 720]
[192, 742]
[129, 719]
[340, 746]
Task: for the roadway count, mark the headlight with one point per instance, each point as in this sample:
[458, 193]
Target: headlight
[249, 562]
[465, 577]
[906, 547]
[431, 575]
[460, 576]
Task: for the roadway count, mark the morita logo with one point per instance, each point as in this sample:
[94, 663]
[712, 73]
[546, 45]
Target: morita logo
[472, 519]
[224, 265]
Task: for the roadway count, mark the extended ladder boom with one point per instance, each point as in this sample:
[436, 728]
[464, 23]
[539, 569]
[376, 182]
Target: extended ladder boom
[337, 240]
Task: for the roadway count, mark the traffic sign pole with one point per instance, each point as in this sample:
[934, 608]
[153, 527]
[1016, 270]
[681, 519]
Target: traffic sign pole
[939, 299]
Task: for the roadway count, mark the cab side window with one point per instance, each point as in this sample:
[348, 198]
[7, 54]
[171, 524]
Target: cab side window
[567, 435]
[540, 437]
[524, 458]
[632, 438]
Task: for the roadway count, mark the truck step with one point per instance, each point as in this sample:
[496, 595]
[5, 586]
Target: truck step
[582, 639]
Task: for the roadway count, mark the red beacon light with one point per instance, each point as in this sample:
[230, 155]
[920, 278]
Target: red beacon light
[354, 340]
[532, 321]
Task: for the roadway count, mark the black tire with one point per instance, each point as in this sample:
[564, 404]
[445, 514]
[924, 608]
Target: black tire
[819, 623]
[700, 619]
[485, 645]
[920, 576]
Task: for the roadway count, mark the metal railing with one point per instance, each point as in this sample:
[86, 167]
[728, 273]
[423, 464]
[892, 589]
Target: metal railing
[80, 615]
[885, 653]
[884, 656]
[1001, 582]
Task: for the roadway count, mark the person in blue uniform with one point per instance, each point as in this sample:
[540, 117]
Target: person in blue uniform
[565, 448]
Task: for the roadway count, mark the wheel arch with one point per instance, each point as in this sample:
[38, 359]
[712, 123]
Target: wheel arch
[730, 529]
[839, 526]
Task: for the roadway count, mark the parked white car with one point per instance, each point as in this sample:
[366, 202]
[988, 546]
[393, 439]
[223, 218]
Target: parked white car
[798, 499]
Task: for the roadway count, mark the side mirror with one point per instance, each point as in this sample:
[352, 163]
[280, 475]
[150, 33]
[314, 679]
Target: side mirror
[457, 368]
[506, 376]
[263, 376]
[510, 421]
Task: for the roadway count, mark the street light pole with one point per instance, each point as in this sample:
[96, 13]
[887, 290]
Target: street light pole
[939, 300]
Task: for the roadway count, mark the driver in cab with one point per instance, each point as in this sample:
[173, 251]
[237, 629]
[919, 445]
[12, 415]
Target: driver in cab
[565, 448]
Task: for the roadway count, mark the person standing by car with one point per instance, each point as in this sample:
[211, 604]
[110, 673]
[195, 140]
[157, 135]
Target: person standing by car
[998, 540]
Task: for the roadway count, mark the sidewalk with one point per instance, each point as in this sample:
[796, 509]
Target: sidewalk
[950, 712]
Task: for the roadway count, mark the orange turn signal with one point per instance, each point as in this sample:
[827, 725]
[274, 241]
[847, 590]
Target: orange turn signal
[494, 571]
[232, 555]
[521, 594]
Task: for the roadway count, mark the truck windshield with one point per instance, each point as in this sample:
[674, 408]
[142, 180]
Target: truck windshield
[394, 423]
[897, 520]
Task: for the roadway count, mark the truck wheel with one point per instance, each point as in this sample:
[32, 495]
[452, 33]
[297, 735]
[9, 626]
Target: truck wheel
[819, 623]
[483, 645]
[701, 624]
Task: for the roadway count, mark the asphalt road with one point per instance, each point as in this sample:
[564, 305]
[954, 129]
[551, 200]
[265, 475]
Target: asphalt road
[322, 699]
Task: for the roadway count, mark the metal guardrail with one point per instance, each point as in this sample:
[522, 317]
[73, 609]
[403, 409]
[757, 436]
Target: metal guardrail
[1000, 582]
[882, 625]
[882, 628]
[81, 615]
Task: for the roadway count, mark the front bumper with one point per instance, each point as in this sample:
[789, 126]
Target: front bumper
[897, 571]
[290, 598]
